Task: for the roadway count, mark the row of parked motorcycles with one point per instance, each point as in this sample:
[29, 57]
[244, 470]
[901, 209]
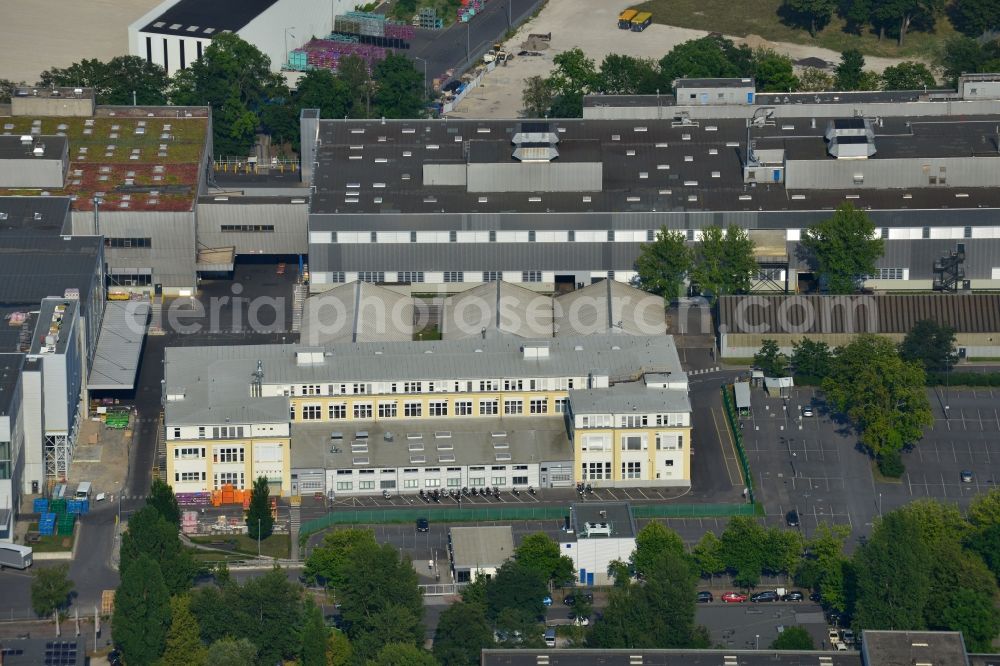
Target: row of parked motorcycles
[457, 495]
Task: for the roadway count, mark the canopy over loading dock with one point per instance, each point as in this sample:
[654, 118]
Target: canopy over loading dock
[119, 346]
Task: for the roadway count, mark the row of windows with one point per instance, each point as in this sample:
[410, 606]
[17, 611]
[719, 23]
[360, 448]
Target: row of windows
[664, 442]
[459, 386]
[887, 274]
[252, 228]
[390, 484]
[631, 420]
[218, 432]
[610, 236]
[601, 471]
[130, 279]
[128, 242]
[387, 410]
[418, 276]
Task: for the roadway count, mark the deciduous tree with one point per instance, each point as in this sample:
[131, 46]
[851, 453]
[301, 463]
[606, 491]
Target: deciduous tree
[402, 654]
[724, 262]
[538, 551]
[931, 344]
[516, 586]
[880, 392]
[743, 544]
[773, 72]
[663, 264]
[462, 633]
[907, 75]
[328, 562]
[537, 97]
[707, 555]
[793, 638]
[653, 540]
[115, 81]
[399, 88]
[770, 359]
[811, 359]
[232, 652]
[843, 249]
[976, 17]
[50, 589]
[893, 576]
[813, 79]
[814, 13]
[269, 612]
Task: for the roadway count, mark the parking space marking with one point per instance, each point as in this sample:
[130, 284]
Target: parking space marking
[725, 453]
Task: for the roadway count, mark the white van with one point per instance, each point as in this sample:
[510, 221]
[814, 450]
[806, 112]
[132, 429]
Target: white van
[82, 491]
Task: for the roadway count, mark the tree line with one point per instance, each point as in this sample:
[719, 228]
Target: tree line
[842, 250]
[234, 78]
[893, 18]
[560, 95]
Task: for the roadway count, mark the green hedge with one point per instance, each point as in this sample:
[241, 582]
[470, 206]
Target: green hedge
[963, 378]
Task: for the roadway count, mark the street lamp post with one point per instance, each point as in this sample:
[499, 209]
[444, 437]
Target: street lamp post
[425, 71]
[757, 642]
[285, 54]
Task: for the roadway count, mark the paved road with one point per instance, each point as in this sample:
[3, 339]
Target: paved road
[446, 50]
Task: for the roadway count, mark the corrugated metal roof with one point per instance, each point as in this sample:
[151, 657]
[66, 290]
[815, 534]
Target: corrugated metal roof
[884, 313]
[357, 312]
[119, 346]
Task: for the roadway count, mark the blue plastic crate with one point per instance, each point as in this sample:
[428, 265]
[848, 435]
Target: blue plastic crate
[40, 505]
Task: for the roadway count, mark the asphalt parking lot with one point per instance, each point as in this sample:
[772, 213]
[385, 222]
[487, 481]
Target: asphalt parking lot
[965, 436]
[815, 466]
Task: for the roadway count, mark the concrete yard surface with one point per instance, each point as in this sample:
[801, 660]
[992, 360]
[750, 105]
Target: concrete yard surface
[36, 35]
[591, 25]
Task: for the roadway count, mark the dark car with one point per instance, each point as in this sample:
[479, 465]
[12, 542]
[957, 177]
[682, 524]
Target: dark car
[705, 597]
[570, 599]
[765, 596]
[814, 596]
[452, 86]
[792, 518]
[794, 595]
[423, 525]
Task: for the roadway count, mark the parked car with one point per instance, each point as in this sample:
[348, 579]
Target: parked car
[792, 518]
[808, 411]
[814, 596]
[794, 595]
[423, 525]
[765, 596]
[580, 620]
[570, 599]
[966, 476]
[833, 634]
[547, 601]
[734, 597]
[847, 636]
[705, 597]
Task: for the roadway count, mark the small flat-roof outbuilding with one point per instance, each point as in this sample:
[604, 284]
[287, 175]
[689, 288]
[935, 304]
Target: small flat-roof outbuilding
[478, 551]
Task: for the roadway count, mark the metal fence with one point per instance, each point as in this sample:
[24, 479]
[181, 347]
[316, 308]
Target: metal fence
[734, 428]
[511, 513]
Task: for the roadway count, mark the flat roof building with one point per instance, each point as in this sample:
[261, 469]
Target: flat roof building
[556, 202]
[363, 418]
[175, 33]
[479, 551]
